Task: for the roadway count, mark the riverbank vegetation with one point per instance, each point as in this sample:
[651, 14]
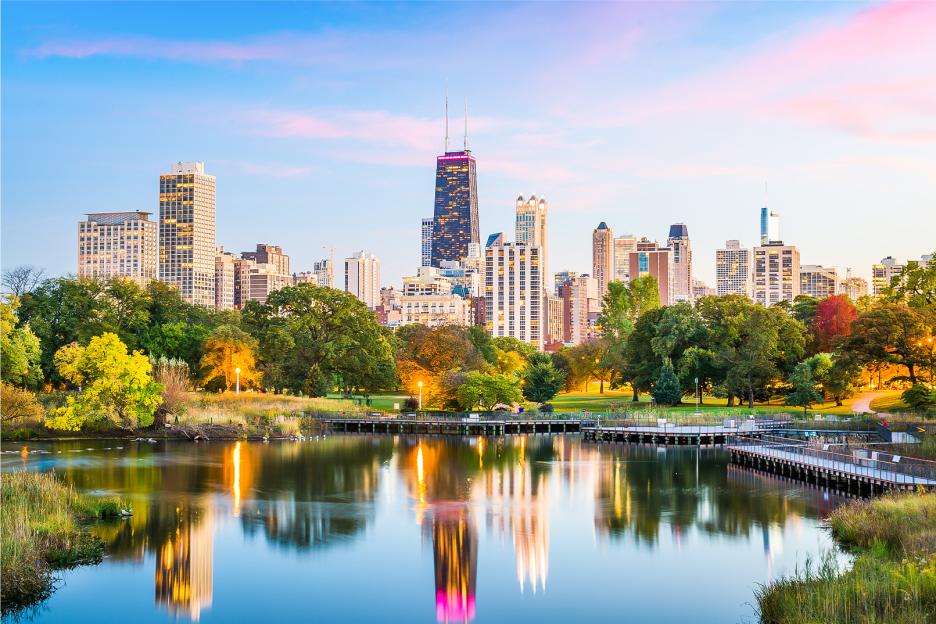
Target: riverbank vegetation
[892, 579]
[111, 355]
[41, 531]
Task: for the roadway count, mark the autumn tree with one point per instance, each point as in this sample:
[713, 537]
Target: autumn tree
[433, 355]
[116, 386]
[832, 320]
[892, 334]
[228, 349]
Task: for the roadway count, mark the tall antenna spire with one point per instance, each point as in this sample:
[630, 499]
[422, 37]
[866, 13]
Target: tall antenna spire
[466, 124]
[765, 193]
[446, 123]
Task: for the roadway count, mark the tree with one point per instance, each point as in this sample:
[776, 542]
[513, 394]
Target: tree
[432, 355]
[919, 397]
[915, 286]
[116, 386]
[174, 378]
[805, 391]
[18, 407]
[541, 380]
[20, 351]
[228, 349]
[488, 391]
[804, 309]
[624, 303]
[588, 361]
[21, 280]
[177, 340]
[641, 364]
[666, 387]
[841, 378]
[891, 334]
[832, 320]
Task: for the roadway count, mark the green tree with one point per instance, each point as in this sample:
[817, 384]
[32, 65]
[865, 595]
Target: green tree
[641, 364]
[915, 286]
[666, 387]
[116, 386]
[541, 380]
[229, 353]
[919, 396]
[805, 390]
[892, 334]
[488, 391]
[176, 340]
[20, 351]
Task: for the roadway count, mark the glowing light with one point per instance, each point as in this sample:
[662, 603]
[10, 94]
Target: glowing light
[236, 485]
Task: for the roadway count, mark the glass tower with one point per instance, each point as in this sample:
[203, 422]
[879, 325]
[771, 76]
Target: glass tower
[455, 221]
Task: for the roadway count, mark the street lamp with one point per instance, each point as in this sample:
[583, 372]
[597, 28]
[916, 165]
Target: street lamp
[237, 387]
[419, 383]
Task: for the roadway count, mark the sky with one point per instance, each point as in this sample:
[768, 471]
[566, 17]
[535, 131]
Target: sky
[322, 122]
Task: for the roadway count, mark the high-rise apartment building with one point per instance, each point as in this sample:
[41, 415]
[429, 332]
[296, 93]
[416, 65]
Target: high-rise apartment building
[513, 291]
[883, 272]
[427, 281]
[267, 271]
[561, 277]
[269, 254]
[776, 273]
[325, 272]
[818, 281]
[187, 231]
[554, 309]
[224, 279]
[118, 244]
[602, 257]
[733, 270]
[455, 220]
[579, 297]
[769, 226]
[531, 229]
[242, 268]
[854, 287]
[678, 241]
[426, 242]
[623, 247]
[362, 278]
[657, 263]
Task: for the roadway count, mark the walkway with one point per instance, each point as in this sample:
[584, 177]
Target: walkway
[862, 404]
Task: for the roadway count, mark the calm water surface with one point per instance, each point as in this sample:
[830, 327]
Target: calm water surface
[406, 529]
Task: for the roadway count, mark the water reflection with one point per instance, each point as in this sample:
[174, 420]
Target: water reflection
[461, 495]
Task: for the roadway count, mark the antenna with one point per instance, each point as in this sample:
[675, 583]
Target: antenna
[466, 124]
[446, 123]
[765, 193]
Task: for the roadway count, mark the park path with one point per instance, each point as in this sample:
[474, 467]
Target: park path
[863, 402]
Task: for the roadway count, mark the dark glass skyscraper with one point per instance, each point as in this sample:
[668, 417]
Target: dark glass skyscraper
[455, 222]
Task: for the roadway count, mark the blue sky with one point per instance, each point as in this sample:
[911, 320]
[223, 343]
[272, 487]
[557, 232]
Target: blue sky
[322, 121]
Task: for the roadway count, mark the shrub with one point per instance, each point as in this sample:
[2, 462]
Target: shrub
[919, 397]
[547, 408]
[18, 408]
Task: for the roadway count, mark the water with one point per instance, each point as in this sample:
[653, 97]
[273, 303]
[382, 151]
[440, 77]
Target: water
[405, 529]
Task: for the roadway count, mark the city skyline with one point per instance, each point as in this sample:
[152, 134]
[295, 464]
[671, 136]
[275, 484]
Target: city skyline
[340, 158]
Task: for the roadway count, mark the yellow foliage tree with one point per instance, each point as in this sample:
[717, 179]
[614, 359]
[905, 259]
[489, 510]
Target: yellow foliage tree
[227, 349]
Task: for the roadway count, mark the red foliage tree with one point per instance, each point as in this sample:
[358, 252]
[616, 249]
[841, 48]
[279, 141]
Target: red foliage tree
[833, 319]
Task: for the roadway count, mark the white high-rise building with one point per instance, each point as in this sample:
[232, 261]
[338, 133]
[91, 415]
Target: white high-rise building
[118, 244]
[362, 278]
[224, 279]
[602, 257]
[532, 229]
[776, 273]
[733, 268]
[818, 281]
[882, 272]
[579, 300]
[426, 241]
[187, 231]
[513, 291]
[623, 247]
[678, 241]
[324, 272]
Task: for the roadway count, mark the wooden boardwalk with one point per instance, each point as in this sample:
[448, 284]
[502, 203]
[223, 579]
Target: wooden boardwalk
[457, 426]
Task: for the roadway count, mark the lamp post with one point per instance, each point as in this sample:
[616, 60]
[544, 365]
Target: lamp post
[237, 386]
[419, 383]
[697, 395]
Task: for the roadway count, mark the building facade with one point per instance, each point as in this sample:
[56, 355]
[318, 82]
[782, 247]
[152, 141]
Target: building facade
[657, 263]
[426, 242]
[513, 291]
[769, 226]
[224, 279]
[678, 241]
[532, 229]
[623, 247]
[325, 272]
[818, 281]
[733, 270]
[435, 310]
[455, 220]
[187, 243]
[776, 275]
[854, 287]
[883, 272]
[427, 281]
[118, 244]
[579, 305]
[362, 278]
[602, 257]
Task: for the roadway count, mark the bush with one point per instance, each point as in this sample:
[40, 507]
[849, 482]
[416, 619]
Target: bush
[18, 408]
[666, 389]
[919, 397]
[547, 408]
[411, 404]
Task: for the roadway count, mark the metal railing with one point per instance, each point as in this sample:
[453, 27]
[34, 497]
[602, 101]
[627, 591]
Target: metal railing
[858, 461]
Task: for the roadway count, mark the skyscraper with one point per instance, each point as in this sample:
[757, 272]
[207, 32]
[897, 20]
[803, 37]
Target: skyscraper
[362, 278]
[268, 271]
[678, 241]
[187, 232]
[224, 279]
[602, 257]
[532, 229]
[776, 273]
[426, 246]
[118, 244]
[513, 291]
[623, 246]
[455, 221]
[769, 226]
[657, 263]
[733, 270]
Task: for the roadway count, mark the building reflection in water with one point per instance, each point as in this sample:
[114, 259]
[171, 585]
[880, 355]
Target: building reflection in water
[184, 564]
[455, 556]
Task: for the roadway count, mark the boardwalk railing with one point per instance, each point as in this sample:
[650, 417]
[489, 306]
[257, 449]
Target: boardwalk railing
[847, 460]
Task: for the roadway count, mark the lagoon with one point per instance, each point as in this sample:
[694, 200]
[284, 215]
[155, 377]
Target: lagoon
[358, 528]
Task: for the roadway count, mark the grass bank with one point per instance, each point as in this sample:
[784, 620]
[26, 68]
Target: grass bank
[891, 581]
[41, 530]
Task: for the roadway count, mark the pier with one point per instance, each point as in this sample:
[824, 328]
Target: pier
[467, 425]
[854, 470]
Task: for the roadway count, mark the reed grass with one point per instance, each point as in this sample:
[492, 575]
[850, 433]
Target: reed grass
[892, 579]
[41, 529]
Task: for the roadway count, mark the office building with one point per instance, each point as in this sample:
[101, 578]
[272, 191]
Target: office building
[513, 290]
[325, 272]
[305, 277]
[466, 280]
[224, 279]
[769, 226]
[657, 263]
[883, 272]
[602, 257]
[678, 241]
[187, 243]
[776, 273]
[818, 281]
[561, 277]
[623, 247]
[362, 278]
[426, 242]
[531, 229]
[118, 244]
[455, 220]
[733, 270]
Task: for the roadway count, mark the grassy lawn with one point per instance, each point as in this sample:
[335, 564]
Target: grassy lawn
[891, 402]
